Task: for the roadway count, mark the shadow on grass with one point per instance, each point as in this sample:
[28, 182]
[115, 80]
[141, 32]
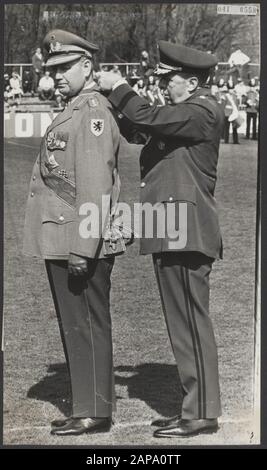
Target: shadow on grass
[54, 388]
[155, 384]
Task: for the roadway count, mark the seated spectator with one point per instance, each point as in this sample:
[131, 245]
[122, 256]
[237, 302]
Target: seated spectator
[15, 87]
[134, 73]
[140, 88]
[159, 93]
[153, 92]
[46, 88]
[133, 76]
[146, 66]
[150, 93]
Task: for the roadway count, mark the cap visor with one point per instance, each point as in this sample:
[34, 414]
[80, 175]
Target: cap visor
[61, 59]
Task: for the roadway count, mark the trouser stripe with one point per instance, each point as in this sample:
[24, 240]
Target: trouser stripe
[157, 272]
[192, 328]
[204, 410]
[93, 348]
[57, 309]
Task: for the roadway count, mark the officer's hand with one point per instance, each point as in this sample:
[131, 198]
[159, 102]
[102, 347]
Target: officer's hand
[77, 265]
[106, 80]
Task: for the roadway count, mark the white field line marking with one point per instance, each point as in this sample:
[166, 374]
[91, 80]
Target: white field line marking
[21, 145]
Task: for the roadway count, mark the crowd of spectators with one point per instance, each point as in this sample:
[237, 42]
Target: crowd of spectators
[35, 82]
[232, 92]
[235, 97]
[142, 80]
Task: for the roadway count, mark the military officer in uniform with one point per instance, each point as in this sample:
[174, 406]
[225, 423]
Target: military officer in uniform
[76, 165]
[179, 164]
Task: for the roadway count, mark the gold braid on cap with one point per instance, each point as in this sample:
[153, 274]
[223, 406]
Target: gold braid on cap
[162, 69]
[68, 49]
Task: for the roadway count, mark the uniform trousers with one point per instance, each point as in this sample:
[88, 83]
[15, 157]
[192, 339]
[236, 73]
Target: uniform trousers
[227, 130]
[83, 311]
[183, 281]
[251, 117]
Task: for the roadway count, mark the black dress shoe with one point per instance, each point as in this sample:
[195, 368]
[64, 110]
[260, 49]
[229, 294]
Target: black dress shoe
[77, 426]
[60, 422]
[188, 427]
[162, 422]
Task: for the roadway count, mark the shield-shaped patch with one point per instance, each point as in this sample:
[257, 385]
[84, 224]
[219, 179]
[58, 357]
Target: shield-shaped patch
[97, 126]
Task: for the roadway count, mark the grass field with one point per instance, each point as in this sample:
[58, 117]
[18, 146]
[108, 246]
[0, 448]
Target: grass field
[36, 386]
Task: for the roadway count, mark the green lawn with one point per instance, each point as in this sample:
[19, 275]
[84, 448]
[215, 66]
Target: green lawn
[35, 375]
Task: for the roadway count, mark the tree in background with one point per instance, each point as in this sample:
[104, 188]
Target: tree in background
[124, 30]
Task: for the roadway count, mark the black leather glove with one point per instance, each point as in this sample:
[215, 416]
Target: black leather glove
[77, 265]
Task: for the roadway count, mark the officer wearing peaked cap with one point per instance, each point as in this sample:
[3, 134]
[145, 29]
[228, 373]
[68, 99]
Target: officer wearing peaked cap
[63, 47]
[178, 172]
[76, 166]
[183, 59]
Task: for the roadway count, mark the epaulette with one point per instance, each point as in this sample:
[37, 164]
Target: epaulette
[207, 102]
[90, 99]
[93, 101]
[81, 101]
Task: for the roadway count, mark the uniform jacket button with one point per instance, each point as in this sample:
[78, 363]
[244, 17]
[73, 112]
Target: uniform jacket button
[34, 178]
[170, 198]
[161, 145]
[32, 194]
[61, 218]
[142, 184]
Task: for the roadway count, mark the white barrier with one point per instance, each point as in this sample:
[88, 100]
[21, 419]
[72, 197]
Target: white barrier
[27, 124]
[35, 124]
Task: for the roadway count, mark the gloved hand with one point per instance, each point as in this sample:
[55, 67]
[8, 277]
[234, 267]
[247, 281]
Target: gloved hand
[77, 265]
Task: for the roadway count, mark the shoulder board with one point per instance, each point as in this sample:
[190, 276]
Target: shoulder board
[93, 101]
[81, 101]
[205, 101]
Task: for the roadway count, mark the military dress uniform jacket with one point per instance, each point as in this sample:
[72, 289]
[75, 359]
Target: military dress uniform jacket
[179, 164]
[77, 164]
